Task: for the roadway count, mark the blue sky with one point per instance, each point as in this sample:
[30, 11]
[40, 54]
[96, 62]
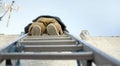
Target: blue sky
[99, 17]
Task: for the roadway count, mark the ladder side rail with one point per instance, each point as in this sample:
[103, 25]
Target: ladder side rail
[12, 43]
[9, 46]
[100, 57]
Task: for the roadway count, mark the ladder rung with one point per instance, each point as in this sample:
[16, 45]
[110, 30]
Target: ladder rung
[40, 48]
[49, 42]
[48, 56]
[46, 38]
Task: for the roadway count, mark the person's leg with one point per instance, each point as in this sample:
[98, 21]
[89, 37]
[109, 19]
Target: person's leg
[59, 29]
[37, 29]
[54, 29]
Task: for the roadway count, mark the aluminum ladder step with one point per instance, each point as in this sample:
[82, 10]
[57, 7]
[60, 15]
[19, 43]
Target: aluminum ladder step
[48, 56]
[38, 47]
[46, 38]
[49, 48]
[49, 42]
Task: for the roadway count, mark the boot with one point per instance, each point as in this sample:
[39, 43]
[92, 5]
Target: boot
[52, 30]
[35, 30]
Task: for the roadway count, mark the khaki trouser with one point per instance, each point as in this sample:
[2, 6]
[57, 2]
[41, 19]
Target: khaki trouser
[44, 22]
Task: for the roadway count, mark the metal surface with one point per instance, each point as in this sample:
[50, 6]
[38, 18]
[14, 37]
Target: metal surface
[5, 49]
[49, 42]
[100, 58]
[48, 56]
[46, 38]
[41, 48]
[54, 47]
[9, 46]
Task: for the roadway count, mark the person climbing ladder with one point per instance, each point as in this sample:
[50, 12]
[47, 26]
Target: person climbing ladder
[45, 24]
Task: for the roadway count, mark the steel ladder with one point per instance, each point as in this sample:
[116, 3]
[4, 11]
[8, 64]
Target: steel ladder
[51, 47]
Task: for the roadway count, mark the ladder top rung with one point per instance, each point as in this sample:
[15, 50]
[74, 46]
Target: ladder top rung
[48, 38]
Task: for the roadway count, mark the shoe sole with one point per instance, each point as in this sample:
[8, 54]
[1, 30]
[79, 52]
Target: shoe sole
[51, 30]
[36, 31]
